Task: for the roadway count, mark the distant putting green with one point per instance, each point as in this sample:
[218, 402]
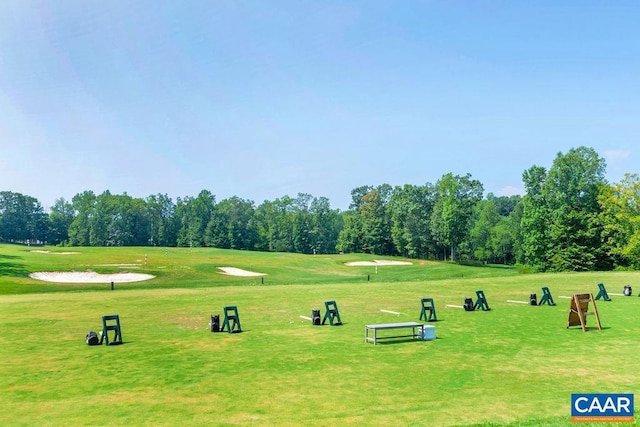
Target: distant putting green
[515, 364]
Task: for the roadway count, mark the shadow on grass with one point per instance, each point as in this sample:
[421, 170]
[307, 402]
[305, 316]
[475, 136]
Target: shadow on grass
[11, 268]
[483, 265]
[588, 328]
[393, 341]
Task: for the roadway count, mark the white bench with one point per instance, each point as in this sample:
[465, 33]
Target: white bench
[417, 330]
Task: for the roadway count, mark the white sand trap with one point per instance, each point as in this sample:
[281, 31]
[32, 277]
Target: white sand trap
[232, 271]
[55, 253]
[90, 277]
[377, 262]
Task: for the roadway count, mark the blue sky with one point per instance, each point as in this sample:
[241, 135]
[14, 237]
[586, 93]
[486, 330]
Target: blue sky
[261, 99]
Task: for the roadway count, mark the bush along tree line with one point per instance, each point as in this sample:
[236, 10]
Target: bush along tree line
[570, 219]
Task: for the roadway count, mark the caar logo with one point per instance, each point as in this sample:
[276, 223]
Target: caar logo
[602, 407]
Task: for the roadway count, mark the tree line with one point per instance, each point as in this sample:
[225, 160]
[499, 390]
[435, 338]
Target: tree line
[570, 219]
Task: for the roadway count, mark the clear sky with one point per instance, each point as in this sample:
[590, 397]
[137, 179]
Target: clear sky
[261, 99]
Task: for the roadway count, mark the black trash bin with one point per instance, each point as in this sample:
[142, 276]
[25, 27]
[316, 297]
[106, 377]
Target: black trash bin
[92, 338]
[215, 323]
[468, 304]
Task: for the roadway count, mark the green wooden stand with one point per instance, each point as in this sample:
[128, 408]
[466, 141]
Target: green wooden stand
[428, 306]
[109, 325]
[331, 313]
[481, 302]
[231, 319]
[603, 293]
[546, 297]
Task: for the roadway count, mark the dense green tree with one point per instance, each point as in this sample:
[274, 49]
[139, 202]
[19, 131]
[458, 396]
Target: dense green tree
[535, 220]
[411, 208]
[483, 235]
[562, 225]
[61, 216]
[100, 220]
[620, 204]
[505, 204]
[273, 221]
[106, 220]
[368, 224]
[230, 226]
[193, 215]
[80, 227]
[503, 238]
[22, 218]
[161, 216]
[326, 226]
[357, 194]
[571, 193]
[350, 237]
[494, 230]
[302, 230]
[128, 224]
[456, 197]
[515, 227]
[376, 230]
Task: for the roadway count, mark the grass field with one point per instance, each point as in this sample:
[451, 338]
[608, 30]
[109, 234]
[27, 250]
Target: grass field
[514, 365]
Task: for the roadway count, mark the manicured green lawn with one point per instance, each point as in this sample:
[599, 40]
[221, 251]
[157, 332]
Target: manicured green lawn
[514, 364]
[198, 267]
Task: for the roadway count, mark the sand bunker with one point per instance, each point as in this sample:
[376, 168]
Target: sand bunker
[55, 253]
[232, 271]
[89, 277]
[376, 262]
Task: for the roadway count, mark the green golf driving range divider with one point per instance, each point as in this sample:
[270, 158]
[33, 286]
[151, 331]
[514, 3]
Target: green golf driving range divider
[231, 319]
[546, 297]
[602, 293]
[111, 323]
[481, 302]
[331, 313]
[428, 306]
